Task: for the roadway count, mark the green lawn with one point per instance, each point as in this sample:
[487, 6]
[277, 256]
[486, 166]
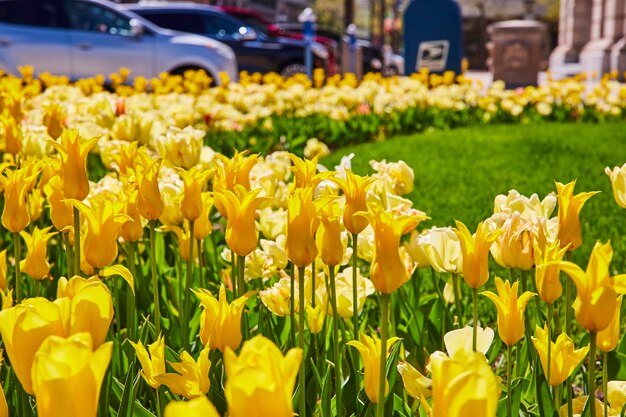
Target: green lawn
[459, 172]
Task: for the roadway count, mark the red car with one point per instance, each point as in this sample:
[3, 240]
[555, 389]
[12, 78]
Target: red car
[261, 24]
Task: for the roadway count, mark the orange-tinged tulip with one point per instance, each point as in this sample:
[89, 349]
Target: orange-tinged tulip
[369, 348]
[608, 338]
[391, 266]
[203, 226]
[132, 229]
[55, 118]
[355, 190]
[514, 247]
[104, 221]
[570, 206]
[3, 270]
[191, 379]
[16, 184]
[618, 183]
[198, 407]
[547, 270]
[10, 135]
[150, 201]
[240, 206]
[152, 360]
[260, 381]
[230, 172]
[73, 152]
[463, 385]
[91, 306]
[564, 358]
[35, 201]
[475, 251]
[302, 224]
[191, 205]
[328, 238]
[24, 328]
[68, 374]
[36, 265]
[510, 310]
[596, 297]
[61, 212]
[220, 322]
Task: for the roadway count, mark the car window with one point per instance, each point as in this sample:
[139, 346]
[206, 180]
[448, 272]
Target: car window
[185, 22]
[255, 23]
[40, 13]
[95, 18]
[221, 28]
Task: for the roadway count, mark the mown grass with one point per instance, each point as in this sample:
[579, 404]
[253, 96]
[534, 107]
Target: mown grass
[459, 172]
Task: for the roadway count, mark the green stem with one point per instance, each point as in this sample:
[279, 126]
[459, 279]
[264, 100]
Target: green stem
[509, 376]
[130, 296]
[201, 264]
[433, 274]
[233, 273]
[592, 373]
[187, 295]
[355, 293]
[313, 284]
[241, 271]
[475, 320]
[302, 380]
[69, 255]
[333, 301]
[457, 300]
[384, 326]
[153, 274]
[568, 331]
[550, 309]
[292, 306]
[605, 382]
[77, 254]
[158, 393]
[17, 253]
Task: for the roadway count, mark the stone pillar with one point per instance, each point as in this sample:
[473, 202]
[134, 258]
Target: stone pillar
[574, 32]
[607, 27]
[618, 52]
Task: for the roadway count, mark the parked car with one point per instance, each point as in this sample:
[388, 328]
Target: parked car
[255, 51]
[261, 24]
[375, 58]
[83, 38]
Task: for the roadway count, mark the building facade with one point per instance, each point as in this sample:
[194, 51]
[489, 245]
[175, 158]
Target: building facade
[592, 37]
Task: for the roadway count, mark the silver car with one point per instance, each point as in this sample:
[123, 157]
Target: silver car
[83, 38]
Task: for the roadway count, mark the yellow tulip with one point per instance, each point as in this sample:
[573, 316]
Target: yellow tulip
[618, 183]
[61, 212]
[220, 322]
[191, 205]
[260, 381]
[475, 251]
[25, 327]
[198, 407]
[345, 307]
[104, 222]
[578, 404]
[91, 306]
[10, 134]
[181, 147]
[230, 172]
[416, 385]
[7, 299]
[315, 317]
[152, 360]
[570, 206]
[616, 394]
[35, 201]
[547, 270]
[16, 184]
[391, 266]
[355, 189]
[183, 241]
[608, 338]
[302, 224]
[203, 226]
[73, 152]
[68, 374]
[191, 379]
[510, 310]
[240, 206]
[438, 247]
[463, 385]
[150, 201]
[461, 339]
[36, 265]
[596, 298]
[4, 407]
[3, 270]
[564, 359]
[277, 297]
[369, 348]
[514, 247]
[305, 172]
[55, 119]
[328, 237]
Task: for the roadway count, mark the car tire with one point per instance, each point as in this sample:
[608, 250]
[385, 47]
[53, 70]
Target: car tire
[292, 69]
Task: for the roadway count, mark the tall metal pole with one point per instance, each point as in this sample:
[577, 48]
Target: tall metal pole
[348, 12]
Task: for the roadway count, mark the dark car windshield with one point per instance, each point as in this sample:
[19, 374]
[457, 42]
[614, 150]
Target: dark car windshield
[255, 23]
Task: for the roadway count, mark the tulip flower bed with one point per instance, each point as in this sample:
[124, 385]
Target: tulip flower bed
[142, 273]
